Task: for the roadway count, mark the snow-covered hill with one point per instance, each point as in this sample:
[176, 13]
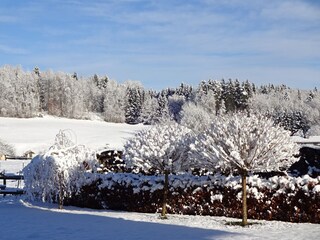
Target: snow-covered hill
[37, 134]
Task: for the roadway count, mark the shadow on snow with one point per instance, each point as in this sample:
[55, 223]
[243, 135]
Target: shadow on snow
[21, 222]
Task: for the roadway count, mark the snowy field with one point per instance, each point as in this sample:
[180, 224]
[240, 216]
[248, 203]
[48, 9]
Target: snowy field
[23, 220]
[37, 134]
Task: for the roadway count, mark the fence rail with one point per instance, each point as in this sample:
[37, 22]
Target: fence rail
[13, 191]
[16, 158]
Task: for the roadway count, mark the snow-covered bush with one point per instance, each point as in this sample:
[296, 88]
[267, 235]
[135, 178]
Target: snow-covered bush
[163, 148]
[58, 173]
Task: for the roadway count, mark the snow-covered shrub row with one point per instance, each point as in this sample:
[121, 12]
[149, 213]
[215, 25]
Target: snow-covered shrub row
[277, 198]
[139, 182]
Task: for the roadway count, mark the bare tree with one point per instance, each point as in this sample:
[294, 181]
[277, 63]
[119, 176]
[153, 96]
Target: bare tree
[6, 149]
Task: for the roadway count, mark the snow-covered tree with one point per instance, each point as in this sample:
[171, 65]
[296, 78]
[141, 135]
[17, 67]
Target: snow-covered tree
[217, 89]
[19, 95]
[175, 103]
[162, 111]
[297, 113]
[57, 174]
[292, 121]
[207, 102]
[244, 144]
[133, 105]
[195, 117]
[185, 91]
[96, 93]
[6, 149]
[161, 148]
[149, 109]
[114, 102]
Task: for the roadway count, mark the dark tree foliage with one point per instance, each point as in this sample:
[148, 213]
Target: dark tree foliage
[186, 91]
[231, 95]
[101, 83]
[292, 121]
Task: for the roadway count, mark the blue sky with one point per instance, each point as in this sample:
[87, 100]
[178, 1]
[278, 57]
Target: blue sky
[165, 42]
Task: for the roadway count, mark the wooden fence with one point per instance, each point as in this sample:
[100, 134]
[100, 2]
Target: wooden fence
[13, 191]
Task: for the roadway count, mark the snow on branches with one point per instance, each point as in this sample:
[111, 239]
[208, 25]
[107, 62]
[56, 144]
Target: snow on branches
[243, 143]
[162, 147]
[240, 142]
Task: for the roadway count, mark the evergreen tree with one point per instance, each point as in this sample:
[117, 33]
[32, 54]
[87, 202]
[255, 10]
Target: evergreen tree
[149, 109]
[229, 96]
[162, 111]
[133, 105]
[218, 95]
[36, 71]
[185, 91]
[240, 96]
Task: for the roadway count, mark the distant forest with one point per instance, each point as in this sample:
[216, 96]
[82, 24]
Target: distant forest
[26, 94]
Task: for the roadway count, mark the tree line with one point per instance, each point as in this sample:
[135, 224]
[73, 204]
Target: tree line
[32, 93]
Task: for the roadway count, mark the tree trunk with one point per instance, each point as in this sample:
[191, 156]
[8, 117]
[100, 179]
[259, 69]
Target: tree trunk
[165, 195]
[60, 190]
[244, 199]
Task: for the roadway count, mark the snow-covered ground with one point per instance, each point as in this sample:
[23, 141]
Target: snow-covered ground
[37, 134]
[23, 220]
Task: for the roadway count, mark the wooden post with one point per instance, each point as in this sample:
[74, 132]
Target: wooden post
[244, 199]
[4, 183]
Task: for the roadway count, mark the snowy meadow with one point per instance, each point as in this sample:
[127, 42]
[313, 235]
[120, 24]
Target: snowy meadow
[37, 134]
